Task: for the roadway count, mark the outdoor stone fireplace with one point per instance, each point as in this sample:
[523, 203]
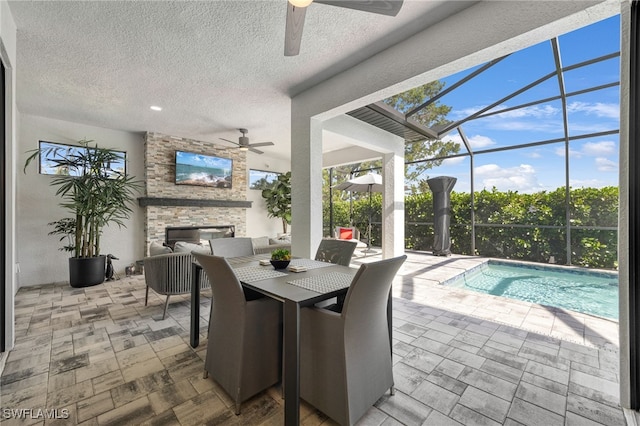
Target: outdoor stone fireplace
[169, 205]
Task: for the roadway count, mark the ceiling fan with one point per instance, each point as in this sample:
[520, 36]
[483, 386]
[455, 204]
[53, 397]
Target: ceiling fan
[244, 145]
[296, 9]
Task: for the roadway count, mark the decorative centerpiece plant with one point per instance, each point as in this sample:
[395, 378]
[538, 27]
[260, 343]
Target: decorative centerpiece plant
[280, 258]
[278, 199]
[95, 195]
[281, 254]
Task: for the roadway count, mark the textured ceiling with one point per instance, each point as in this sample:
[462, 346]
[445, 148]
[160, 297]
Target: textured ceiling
[213, 66]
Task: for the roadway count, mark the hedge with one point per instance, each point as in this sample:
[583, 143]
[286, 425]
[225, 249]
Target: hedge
[509, 225]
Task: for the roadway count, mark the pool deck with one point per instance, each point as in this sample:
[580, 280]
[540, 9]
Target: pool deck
[459, 358]
[420, 280]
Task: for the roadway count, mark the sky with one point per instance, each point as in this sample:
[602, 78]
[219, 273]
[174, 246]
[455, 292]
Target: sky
[593, 161]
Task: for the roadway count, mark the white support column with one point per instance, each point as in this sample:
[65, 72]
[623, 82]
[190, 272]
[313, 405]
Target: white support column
[306, 185]
[393, 205]
[390, 148]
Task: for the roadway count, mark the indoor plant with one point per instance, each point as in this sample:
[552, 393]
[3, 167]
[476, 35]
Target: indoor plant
[280, 258]
[278, 199]
[96, 195]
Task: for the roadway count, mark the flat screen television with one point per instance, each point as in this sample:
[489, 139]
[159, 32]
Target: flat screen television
[203, 170]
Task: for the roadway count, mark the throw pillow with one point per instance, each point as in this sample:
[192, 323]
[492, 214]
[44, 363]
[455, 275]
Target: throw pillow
[156, 249]
[184, 247]
[345, 234]
[260, 241]
[279, 241]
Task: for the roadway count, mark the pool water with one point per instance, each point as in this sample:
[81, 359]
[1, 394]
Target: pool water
[578, 290]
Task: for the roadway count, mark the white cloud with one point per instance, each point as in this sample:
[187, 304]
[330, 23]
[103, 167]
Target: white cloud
[466, 112]
[573, 153]
[455, 137]
[599, 149]
[547, 117]
[520, 178]
[587, 183]
[598, 109]
[479, 141]
[589, 149]
[593, 126]
[535, 111]
[541, 118]
[533, 155]
[606, 165]
[476, 142]
[453, 161]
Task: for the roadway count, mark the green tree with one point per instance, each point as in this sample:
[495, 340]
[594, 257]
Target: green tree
[433, 114]
[278, 199]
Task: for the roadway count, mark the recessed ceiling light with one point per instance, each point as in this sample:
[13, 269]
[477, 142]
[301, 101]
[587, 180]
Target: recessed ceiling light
[155, 108]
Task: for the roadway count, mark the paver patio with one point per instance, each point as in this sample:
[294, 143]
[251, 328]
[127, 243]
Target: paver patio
[459, 358]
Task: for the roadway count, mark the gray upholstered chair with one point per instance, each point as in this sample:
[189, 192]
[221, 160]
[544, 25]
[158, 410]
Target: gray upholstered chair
[336, 251]
[339, 252]
[345, 357]
[231, 247]
[245, 336]
[170, 274]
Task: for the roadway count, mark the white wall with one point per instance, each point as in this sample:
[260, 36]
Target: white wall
[37, 253]
[258, 222]
[8, 57]
[624, 260]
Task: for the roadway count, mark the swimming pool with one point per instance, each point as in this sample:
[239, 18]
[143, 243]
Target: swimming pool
[576, 289]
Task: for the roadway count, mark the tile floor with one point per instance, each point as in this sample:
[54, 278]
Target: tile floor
[101, 357]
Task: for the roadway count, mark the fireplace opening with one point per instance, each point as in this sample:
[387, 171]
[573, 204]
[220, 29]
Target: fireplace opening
[197, 234]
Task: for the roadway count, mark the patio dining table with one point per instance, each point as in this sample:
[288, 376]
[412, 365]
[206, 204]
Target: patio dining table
[320, 281]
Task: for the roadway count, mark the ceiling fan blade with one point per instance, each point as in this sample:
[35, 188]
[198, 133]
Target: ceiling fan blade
[293, 32]
[261, 144]
[235, 143]
[383, 7]
[257, 151]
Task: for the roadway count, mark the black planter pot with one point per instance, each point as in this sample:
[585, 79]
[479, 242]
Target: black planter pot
[279, 264]
[86, 271]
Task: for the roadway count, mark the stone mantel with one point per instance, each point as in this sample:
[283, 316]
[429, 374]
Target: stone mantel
[191, 202]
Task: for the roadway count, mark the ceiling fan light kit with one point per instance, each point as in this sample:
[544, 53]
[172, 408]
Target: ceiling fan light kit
[296, 10]
[300, 3]
[244, 145]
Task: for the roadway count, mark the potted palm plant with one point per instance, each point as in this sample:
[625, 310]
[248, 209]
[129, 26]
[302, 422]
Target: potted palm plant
[96, 195]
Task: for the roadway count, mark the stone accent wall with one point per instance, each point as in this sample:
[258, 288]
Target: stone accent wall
[160, 183]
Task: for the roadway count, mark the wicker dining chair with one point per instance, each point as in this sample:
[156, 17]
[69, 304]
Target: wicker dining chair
[170, 274]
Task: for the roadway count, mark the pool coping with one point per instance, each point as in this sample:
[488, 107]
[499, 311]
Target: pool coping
[604, 273]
